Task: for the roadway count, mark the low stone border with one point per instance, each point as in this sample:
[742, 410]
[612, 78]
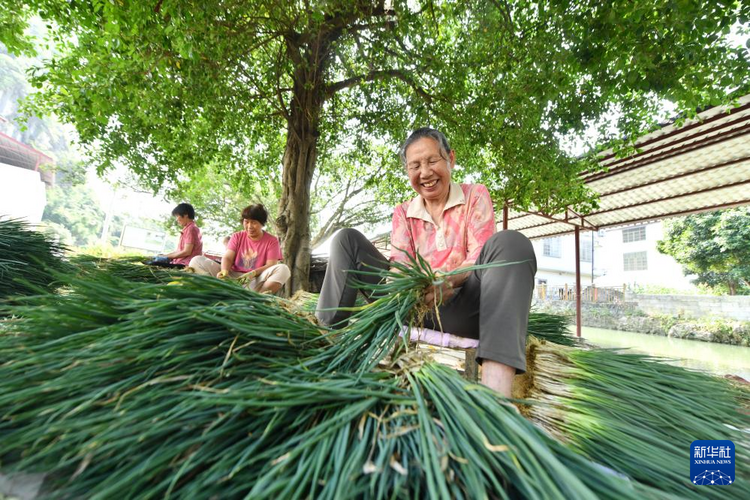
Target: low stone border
[627, 317]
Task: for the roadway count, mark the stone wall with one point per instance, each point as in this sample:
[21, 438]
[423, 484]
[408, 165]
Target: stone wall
[629, 317]
[694, 306]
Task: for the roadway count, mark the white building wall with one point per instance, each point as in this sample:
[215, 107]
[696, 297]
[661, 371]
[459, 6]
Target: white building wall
[661, 270]
[609, 251]
[557, 271]
[138, 238]
[22, 193]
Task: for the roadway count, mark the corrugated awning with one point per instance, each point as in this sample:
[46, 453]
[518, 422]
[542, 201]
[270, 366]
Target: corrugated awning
[701, 166]
[18, 154]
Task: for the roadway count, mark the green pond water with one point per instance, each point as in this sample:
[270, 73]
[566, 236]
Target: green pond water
[720, 359]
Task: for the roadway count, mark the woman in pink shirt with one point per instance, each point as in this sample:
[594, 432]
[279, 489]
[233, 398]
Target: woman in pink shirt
[452, 226]
[190, 244]
[252, 253]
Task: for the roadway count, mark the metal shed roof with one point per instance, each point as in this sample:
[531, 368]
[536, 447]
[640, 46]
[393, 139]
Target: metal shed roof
[701, 166]
[18, 154]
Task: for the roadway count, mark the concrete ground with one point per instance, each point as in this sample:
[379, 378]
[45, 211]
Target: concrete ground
[20, 486]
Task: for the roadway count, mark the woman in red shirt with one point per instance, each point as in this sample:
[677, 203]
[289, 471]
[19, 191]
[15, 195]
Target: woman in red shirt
[191, 241]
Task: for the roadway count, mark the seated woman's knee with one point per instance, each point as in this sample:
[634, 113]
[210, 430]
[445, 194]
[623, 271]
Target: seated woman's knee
[279, 273]
[285, 272]
[346, 234]
[512, 243]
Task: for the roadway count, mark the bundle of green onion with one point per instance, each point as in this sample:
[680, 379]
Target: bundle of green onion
[550, 327]
[129, 268]
[639, 415]
[27, 259]
[202, 389]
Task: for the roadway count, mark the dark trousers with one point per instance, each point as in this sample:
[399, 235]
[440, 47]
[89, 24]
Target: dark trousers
[164, 264]
[492, 305]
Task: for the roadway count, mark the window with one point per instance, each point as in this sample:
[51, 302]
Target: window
[634, 261]
[634, 234]
[587, 251]
[552, 247]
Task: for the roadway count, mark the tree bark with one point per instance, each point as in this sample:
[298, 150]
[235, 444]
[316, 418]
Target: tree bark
[294, 207]
[299, 159]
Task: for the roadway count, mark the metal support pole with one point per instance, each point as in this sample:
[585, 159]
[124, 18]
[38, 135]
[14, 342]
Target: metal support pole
[592, 258]
[505, 217]
[578, 281]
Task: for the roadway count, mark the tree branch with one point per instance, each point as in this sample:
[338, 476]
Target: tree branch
[504, 8]
[292, 42]
[282, 105]
[336, 25]
[369, 26]
[332, 88]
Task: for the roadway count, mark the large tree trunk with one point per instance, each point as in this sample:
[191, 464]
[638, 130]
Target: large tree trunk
[294, 207]
[299, 161]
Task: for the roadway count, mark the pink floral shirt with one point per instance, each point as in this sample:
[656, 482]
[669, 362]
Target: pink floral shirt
[468, 222]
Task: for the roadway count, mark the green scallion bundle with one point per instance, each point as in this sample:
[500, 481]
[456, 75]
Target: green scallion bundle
[550, 327]
[28, 259]
[129, 268]
[638, 415]
[201, 389]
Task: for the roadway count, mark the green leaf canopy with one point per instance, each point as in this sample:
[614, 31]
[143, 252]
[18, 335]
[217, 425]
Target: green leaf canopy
[272, 90]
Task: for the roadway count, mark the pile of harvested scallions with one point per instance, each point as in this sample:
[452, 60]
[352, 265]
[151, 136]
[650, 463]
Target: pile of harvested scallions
[639, 415]
[120, 388]
[129, 268]
[549, 327]
[28, 259]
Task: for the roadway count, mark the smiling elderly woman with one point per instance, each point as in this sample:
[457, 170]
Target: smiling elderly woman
[452, 226]
[252, 253]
